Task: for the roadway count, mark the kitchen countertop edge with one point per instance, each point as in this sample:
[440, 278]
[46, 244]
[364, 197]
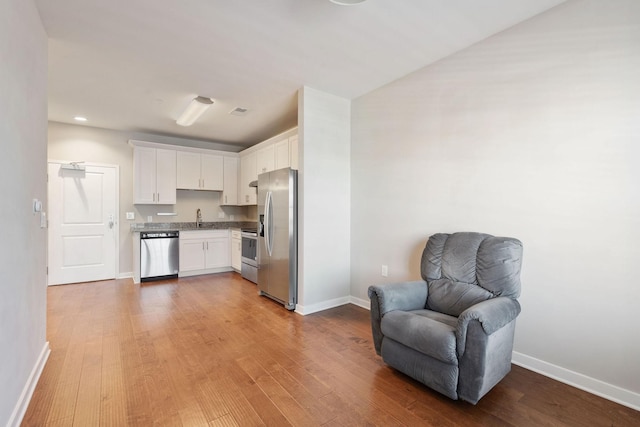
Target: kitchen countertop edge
[190, 226]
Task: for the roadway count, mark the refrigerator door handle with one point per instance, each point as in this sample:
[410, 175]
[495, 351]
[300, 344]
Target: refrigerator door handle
[268, 223]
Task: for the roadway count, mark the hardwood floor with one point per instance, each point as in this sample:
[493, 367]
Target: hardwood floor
[209, 351]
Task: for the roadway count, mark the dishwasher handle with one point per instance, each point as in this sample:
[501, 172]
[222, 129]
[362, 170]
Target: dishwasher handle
[159, 235]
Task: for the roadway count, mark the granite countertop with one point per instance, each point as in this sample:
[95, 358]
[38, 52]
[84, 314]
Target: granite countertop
[190, 226]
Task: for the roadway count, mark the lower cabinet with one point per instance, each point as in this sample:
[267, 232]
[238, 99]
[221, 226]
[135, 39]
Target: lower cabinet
[236, 249]
[204, 251]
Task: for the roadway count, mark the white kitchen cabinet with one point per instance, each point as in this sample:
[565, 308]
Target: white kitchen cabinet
[217, 254]
[204, 251]
[236, 249]
[192, 254]
[293, 152]
[199, 171]
[212, 172]
[281, 154]
[265, 159]
[154, 176]
[187, 170]
[278, 152]
[230, 184]
[248, 173]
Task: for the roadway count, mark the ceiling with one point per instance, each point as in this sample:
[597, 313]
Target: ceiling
[135, 65]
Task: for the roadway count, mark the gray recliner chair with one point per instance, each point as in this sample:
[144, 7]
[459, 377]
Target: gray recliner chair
[453, 330]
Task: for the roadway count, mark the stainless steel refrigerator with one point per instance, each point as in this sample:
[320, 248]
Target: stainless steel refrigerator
[278, 236]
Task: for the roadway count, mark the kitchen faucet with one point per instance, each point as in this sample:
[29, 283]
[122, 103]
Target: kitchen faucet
[198, 218]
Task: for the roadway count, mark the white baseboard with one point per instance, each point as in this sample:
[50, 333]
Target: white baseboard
[29, 387]
[575, 379]
[364, 303]
[321, 306]
[126, 275]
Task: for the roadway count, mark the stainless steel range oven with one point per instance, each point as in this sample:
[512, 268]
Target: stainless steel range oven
[249, 266]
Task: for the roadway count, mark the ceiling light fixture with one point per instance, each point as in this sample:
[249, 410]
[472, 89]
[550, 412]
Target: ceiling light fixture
[238, 111]
[80, 119]
[196, 107]
[347, 2]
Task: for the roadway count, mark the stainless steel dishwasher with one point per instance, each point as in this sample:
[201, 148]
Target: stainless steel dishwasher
[159, 255]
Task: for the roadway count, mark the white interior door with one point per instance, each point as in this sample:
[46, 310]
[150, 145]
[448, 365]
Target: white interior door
[83, 218]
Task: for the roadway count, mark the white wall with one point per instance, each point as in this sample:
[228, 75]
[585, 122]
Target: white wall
[323, 210]
[533, 133]
[23, 136]
[85, 143]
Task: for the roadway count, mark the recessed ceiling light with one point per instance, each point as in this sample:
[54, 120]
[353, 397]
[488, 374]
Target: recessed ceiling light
[80, 119]
[347, 2]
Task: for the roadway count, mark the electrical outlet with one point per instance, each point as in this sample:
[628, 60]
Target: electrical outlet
[220, 214]
[131, 215]
[149, 218]
[231, 217]
[385, 271]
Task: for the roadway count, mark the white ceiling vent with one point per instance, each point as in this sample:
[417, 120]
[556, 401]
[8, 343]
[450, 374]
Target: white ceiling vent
[238, 111]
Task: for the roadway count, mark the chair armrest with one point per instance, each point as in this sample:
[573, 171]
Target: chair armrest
[394, 296]
[399, 296]
[492, 315]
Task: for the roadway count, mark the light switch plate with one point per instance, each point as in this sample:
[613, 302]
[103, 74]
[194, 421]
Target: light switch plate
[220, 214]
[131, 215]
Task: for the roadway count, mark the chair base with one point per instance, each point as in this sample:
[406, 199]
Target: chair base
[433, 373]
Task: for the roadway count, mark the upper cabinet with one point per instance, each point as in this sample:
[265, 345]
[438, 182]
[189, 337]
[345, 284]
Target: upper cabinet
[293, 152]
[230, 191]
[248, 173]
[278, 152]
[281, 154]
[154, 176]
[265, 160]
[158, 172]
[199, 171]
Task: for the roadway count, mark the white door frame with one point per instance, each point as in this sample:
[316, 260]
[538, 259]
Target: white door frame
[116, 273]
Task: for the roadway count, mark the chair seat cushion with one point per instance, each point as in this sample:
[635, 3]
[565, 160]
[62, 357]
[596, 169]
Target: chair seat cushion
[423, 332]
[440, 317]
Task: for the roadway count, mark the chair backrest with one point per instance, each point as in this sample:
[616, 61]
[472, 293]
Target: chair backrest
[463, 269]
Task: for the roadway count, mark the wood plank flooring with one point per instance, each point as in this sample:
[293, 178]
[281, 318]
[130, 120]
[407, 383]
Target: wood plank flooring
[208, 351]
